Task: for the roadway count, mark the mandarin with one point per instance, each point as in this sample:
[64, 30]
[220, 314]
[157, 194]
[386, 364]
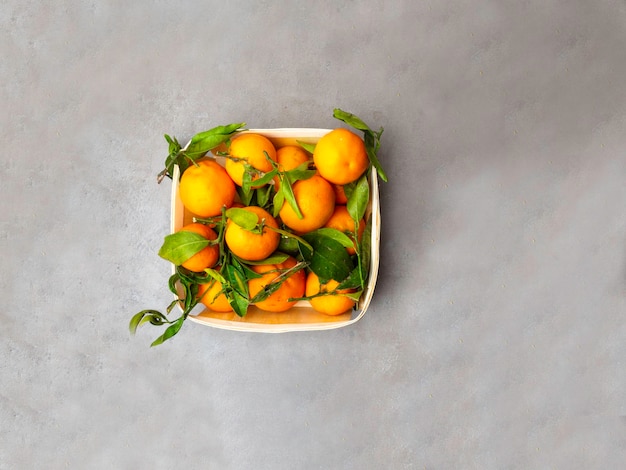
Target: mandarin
[213, 298]
[288, 158]
[315, 198]
[249, 245]
[340, 156]
[334, 303]
[251, 148]
[205, 188]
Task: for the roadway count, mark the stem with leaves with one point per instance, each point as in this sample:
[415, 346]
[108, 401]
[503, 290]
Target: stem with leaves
[189, 285]
[199, 145]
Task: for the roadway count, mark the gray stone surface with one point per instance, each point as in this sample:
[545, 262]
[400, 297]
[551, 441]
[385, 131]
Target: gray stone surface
[496, 337]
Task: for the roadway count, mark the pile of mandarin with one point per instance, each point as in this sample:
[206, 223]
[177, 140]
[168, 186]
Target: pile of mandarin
[207, 188]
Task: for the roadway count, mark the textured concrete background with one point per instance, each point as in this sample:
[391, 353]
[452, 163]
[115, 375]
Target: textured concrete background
[496, 337]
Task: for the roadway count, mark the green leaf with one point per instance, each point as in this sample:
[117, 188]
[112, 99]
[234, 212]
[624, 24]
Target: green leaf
[359, 198]
[174, 278]
[301, 172]
[174, 150]
[157, 319]
[263, 178]
[173, 145]
[287, 234]
[227, 129]
[169, 332]
[244, 267]
[190, 277]
[245, 219]
[365, 251]
[371, 147]
[244, 196]
[348, 188]
[275, 258]
[214, 275]
[237, 279]
[335, 234]
[246, 181]
[146, 316]
[263, 195]
[202, 142]
[353, 280]
[351, 120]
[278, 201]
[329, 258]
[306, 146]
[266, 178]
[193, 297]
[171, 306]
[239, 303]
[287, 190]
[353, 295]
[134, 322]
[236, 289]
[198, 146]
[180, 246]
[190, 295]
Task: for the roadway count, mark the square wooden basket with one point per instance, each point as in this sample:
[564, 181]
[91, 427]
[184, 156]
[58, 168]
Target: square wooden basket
[301, 317]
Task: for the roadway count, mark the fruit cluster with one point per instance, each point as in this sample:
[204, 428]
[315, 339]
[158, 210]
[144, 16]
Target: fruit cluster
[271, 226]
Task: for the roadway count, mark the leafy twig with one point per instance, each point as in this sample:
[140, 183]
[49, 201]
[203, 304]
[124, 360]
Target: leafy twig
[198, 146]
